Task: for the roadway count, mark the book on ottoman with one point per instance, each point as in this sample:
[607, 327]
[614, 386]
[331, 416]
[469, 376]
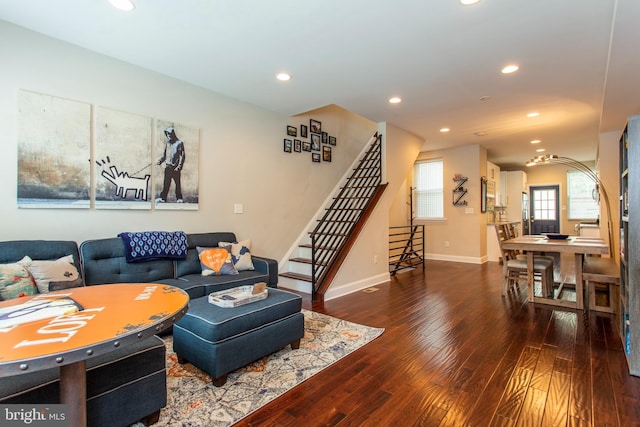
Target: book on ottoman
[239, 296]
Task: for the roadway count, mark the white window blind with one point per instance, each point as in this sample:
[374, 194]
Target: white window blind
[580, 194]
[428, 184]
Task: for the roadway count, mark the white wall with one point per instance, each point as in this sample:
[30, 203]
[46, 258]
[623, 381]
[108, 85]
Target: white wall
[241, 155]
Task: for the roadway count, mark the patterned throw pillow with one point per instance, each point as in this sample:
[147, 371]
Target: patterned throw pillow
[216, 261]
[48, 274]
[240, 253]
[16, 281]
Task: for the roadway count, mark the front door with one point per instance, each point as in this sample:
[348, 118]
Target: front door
[545, 209]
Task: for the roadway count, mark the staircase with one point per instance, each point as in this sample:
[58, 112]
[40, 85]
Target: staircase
[321, 252]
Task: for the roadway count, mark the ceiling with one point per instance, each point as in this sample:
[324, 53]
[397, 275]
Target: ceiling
[579, 66]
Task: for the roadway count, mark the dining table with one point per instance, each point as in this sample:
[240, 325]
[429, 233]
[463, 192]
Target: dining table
[577, 246]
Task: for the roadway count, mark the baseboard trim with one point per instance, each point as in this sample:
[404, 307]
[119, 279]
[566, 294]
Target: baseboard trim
[349, 288]
[454, 258]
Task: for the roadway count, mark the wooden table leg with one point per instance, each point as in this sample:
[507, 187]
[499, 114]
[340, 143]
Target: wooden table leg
[579, 283]
[73, 392]
[530, 281]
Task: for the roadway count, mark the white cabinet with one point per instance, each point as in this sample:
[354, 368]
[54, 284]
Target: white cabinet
[493, 175]
[513, 185]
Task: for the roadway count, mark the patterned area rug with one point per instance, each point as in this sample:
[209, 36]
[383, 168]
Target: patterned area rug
[194, 401]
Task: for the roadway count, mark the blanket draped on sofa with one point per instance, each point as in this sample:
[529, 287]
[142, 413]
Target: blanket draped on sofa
[150, 245]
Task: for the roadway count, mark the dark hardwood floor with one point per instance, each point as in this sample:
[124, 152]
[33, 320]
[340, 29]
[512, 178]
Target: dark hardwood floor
[456, 353]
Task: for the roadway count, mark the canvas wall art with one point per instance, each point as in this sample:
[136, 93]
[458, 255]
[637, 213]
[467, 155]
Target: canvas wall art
[123, 162]
[176, 162]
[54, 149]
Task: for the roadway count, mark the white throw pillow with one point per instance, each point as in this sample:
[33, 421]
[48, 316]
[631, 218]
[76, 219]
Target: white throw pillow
[47, 272]
[240, 253]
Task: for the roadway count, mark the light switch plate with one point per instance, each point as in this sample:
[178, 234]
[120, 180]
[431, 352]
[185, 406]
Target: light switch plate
[238, 208]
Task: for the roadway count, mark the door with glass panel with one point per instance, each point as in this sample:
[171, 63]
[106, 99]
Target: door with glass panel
[545, 209]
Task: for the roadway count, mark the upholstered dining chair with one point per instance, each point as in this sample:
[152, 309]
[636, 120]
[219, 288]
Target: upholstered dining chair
[515, 266]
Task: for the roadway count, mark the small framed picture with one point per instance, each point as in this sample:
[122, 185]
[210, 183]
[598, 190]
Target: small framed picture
[326, 153]
[287, 145]
[325, 138]
[304, 131]
[297, 145]
[306, 146]
[332, 140]
[315, 126]
[292, 131]
[315, 157]
[315, 141]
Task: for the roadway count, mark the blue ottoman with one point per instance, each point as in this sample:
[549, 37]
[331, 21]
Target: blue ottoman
[220, 340]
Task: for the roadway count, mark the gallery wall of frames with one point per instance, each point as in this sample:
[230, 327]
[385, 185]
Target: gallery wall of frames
[310, 138]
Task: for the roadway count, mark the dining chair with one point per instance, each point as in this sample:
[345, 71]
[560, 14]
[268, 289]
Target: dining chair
[515, 266]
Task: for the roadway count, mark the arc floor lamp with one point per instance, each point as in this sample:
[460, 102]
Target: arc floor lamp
[554, 159]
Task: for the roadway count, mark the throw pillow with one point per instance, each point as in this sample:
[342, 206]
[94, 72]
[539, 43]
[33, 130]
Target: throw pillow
[240, 253]
[16, 281]
[216, 261]
[52, 272]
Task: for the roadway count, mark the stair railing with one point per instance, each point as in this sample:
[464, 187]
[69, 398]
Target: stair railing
[333, 229]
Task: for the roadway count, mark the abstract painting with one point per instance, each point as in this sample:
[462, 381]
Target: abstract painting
[54, 149]
[176, 166]
[123, 163]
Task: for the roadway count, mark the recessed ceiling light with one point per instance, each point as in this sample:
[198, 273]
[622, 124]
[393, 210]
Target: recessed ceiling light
[536, 141]
[510, 69]
[485, 98]
[540, 150]
[533, 114]
[126, 5]
[479, 133]
[395, 100]
[445, 130]
[284, 77]
[468, 2]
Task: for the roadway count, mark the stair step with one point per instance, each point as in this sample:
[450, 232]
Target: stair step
[306, 261]
[322, 248]
[297, 276]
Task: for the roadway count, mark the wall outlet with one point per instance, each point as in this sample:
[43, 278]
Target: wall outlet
[468, 210]
[238, 208]
[446, 243]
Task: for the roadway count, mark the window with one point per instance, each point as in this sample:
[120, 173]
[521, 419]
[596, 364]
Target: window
[428, 183]
[580, 194]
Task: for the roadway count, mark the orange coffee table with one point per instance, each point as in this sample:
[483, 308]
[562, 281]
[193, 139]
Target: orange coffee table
[114, 316]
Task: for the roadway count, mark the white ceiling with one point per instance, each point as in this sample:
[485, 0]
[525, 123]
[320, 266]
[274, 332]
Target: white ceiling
[579, 62]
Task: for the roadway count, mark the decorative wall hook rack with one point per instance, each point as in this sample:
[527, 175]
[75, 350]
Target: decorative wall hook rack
[459, 191]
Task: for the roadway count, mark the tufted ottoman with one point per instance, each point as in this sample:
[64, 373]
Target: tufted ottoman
[220, 340]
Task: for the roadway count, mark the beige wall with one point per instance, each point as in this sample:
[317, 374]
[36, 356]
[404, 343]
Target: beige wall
[462, 236]
[371, 251]
[609, 170]
[241, 155]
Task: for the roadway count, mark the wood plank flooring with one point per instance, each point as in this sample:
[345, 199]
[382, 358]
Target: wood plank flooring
[456, 353]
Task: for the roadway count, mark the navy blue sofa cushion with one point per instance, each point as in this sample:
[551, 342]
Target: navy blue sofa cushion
[104, 261]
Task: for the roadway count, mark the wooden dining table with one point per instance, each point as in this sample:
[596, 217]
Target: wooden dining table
[578, 246]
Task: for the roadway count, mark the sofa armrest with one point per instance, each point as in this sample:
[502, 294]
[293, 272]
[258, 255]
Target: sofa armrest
[267, 266]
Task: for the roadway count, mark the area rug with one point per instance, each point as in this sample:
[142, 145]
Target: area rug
[194, 401]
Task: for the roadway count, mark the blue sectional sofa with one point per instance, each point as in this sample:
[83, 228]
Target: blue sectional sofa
[104, 261]
[137, 370]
